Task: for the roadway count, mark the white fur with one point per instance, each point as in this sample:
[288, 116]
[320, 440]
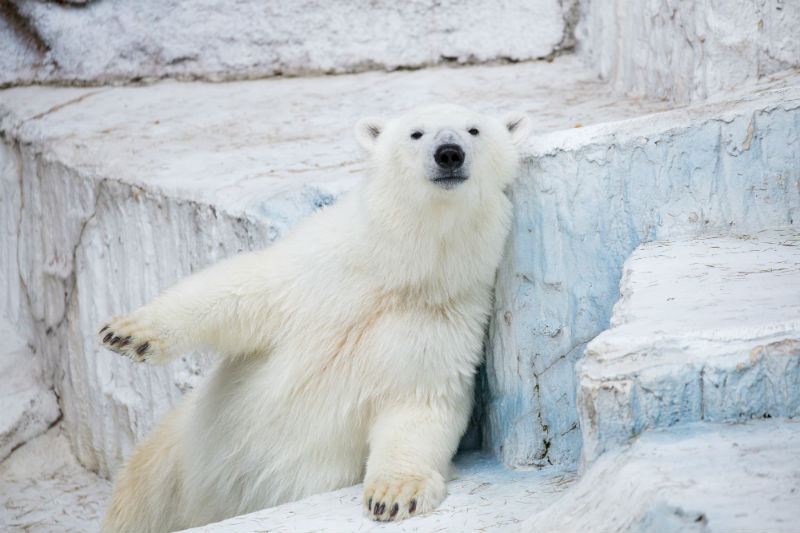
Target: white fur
[349, 347]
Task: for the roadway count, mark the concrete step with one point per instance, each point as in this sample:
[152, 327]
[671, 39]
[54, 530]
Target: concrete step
[706, 329]
[483, 497]
[587, 199]
[43, 488]
[698, 477]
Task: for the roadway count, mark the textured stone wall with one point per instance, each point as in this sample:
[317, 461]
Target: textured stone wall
[104, 41]
[687, 50]
[74, 237]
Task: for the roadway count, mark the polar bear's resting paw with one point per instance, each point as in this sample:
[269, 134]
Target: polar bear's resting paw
[133, 337]
[398, 497]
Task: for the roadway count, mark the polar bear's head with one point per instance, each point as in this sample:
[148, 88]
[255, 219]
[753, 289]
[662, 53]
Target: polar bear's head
[444, 150]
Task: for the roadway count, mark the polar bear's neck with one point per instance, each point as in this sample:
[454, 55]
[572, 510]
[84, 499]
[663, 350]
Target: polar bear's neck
[444, 246]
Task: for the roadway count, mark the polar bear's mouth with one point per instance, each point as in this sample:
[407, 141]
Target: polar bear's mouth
[449, 181]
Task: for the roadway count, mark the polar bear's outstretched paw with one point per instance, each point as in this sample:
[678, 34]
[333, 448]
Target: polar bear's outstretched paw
[133, 337]
[398, 497]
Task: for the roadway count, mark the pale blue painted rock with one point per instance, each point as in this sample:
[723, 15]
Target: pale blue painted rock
[588, 198]
[707, 329]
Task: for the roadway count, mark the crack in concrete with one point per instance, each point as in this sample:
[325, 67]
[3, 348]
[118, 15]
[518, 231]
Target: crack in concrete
[71, 281]
[702, 394]
[23, 285]
[570, 15]
[545, 428]
[79, 241]
[65, 104]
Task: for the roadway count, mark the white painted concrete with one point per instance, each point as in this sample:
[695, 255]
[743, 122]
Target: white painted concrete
[700, 477]
[687, 50]
[482, 497]
[43, 489]
[29, 406]
[105, 41]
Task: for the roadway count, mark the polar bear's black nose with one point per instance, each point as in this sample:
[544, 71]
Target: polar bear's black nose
[449, 156]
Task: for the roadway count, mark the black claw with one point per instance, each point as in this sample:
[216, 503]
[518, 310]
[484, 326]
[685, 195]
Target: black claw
[108, 336]
[412, 506]
[143, 348]
[104, 328]
[383, 508]
[369, 503]
[126, 341]
[394, 510]
[114, 341]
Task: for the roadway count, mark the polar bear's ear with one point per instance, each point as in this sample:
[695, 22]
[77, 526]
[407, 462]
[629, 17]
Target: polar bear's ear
[368, 130]
[518, 125]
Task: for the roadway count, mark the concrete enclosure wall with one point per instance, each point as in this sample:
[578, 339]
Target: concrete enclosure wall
[687, 50]
[104, 41]
[586, 200]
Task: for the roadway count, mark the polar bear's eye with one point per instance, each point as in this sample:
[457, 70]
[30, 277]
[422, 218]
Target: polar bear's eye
[473, 131]
[416, 135]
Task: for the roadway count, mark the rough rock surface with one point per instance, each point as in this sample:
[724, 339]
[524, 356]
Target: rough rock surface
[105, 41]
[587, 198]
[687, 50]
[29, 406]
[110, 195]
[707, 329]
[483, 497]
[699, 477]
[44, 489]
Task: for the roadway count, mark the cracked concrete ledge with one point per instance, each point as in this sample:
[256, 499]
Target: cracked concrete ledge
[703, 477]
[587, 199]
[217, 41]
[707, 329]
[109, 197]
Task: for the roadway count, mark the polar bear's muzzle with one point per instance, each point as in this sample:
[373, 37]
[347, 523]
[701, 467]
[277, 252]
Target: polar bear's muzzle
[449, 160]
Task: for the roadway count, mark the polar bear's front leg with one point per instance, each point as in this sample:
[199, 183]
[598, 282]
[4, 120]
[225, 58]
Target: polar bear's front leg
[225, 308]
[409, 461]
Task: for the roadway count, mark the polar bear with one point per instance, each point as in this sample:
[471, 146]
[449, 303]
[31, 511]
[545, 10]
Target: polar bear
[349, 347]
